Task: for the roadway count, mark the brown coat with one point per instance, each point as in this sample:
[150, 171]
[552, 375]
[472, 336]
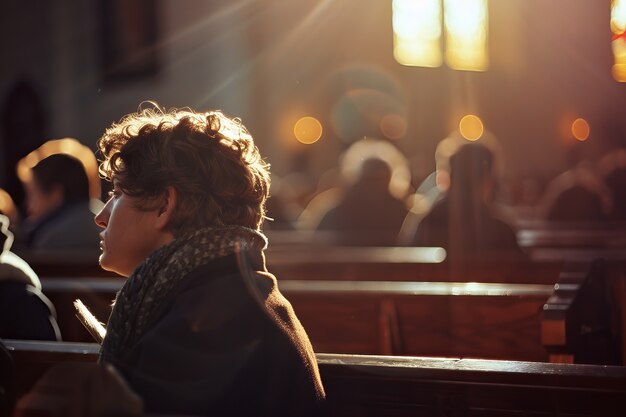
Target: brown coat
[224, 346]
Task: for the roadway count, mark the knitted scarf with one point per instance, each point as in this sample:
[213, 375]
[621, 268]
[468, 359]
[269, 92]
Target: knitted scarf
[139, 300]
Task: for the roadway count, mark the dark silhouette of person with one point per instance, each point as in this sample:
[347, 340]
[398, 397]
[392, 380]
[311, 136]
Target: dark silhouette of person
[613, 171]
[616, 182]
[24, 125]
[25, 313]
[60, 218]
[576, 196]
[367, 214]
[577, 204]
[462, 221]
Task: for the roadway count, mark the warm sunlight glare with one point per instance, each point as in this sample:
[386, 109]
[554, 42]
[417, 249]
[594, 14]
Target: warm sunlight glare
[471, 127]
[417, 32]
[7, 206]
[393, 126]
[466, 34]
[618, 16]
[580, 129]
[618, 27]
[69, 146]
[307, 130]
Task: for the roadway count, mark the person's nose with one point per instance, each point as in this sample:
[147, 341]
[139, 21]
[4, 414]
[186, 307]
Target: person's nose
[102, 218]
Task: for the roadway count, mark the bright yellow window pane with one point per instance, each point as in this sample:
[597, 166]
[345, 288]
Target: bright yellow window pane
[466, 34]
[417, 32]
[618, 27]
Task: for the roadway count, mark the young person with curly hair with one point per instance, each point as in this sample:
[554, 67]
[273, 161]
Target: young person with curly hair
[199, 327]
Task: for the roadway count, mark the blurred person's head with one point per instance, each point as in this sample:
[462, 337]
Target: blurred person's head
[7, 207]
[613, 172]
[577, 203]
[471, 171]
[175, 172]
[616, 183]
[56, 180]
[375, 173]
[380, 161]
[577, 195]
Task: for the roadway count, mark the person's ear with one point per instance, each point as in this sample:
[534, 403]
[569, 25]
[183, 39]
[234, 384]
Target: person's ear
[166, 208]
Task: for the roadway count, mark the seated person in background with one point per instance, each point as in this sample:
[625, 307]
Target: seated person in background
[613, 173]
[193, 331]
[367, 212]
[616, 183]
[8, 208]
[576, 195]
[25, 313]
[462, 221]
[59, 217]
[578, 204]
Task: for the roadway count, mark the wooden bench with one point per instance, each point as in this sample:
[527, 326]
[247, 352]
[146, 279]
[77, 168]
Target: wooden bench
[405, 264]
[360, 385]
[350, 264]
[546, 234]
[584, 321]
[496, 321]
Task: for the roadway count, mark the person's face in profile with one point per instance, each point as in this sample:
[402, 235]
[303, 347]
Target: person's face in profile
[130, 234]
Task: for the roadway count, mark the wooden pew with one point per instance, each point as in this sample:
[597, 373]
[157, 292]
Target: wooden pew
[496, 321]
[352, 264]
[545, 234]
[584, 319]
[578, 246]
[303, 256]
[360, 385]
[97, 293]
[405, 264]
[572, 242]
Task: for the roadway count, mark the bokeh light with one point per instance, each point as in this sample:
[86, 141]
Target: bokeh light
[359, 113]
[308, 130]
[393, 126]
[471, 127]
[580, 129]
[362, 95]
[618, 44]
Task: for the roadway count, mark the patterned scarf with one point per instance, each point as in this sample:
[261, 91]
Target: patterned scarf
[139, 300]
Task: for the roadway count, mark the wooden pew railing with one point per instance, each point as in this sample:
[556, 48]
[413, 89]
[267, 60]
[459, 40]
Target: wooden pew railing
[485, 320]
[350, 264]
[584, 321]
[361, 385]
[545, 234]
[481, 320]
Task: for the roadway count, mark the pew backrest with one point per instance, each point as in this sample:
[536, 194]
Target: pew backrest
[486, 320]
[352, 263]
[363, 385]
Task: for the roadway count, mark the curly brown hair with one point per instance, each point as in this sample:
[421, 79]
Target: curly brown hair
[208, 158]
